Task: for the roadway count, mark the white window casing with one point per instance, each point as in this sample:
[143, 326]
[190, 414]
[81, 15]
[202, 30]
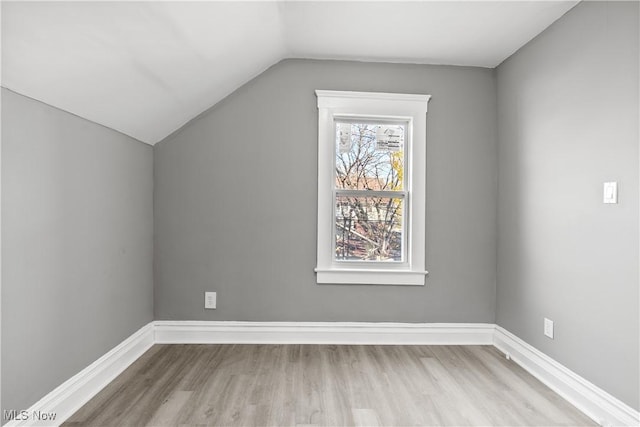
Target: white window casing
[410, 109]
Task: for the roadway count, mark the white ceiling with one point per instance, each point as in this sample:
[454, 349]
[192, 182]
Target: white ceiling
[147, 68]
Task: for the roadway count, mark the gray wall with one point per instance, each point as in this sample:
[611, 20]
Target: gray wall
[76, 245]
[568, 121]
[235, 210]
[236, 201]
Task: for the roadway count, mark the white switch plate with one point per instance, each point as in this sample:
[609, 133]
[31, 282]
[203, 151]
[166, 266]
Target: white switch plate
[548, 327]
[610, 192]
[210, 300]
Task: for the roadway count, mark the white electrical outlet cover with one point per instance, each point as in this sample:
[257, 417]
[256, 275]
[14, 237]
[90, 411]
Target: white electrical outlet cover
[548, 328]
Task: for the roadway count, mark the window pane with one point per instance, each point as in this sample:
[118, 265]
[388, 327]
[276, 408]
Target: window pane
[369, 228]
[370, 156]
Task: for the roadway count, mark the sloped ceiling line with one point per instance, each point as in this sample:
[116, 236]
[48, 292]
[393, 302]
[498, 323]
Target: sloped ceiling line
[147, 68]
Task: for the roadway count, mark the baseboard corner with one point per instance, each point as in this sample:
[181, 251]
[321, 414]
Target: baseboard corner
[594, 402]
[62, 402]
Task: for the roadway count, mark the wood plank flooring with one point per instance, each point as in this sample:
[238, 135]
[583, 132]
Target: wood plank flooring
[326, 385]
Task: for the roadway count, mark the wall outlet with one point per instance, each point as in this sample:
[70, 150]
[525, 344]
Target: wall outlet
[548, 327]
[210, 300]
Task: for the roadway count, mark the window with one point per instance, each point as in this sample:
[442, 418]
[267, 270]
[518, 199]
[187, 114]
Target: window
[369, 192]
[371, 188]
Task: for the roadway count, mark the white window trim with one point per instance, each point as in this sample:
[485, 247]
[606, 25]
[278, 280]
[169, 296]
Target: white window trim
[334, 105]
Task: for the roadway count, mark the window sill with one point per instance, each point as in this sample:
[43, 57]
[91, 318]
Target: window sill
[371, 277]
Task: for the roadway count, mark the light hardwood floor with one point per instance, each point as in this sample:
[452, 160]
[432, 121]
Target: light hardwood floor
[330, 385]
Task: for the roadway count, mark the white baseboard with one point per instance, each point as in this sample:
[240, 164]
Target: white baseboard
[594, 402]
[79, 389]
[72, 394]
[192, 332]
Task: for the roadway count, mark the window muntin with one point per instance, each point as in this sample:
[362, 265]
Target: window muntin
[370, 197]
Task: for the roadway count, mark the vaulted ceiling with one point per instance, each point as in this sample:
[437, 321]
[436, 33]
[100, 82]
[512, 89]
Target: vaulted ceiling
[147, 68]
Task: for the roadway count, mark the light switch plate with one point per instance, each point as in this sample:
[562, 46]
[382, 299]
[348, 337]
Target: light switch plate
[610, 192]
[548, 327]
[210, 300]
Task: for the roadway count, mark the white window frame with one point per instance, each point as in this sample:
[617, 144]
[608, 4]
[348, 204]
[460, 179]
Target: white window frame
[412, 109]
